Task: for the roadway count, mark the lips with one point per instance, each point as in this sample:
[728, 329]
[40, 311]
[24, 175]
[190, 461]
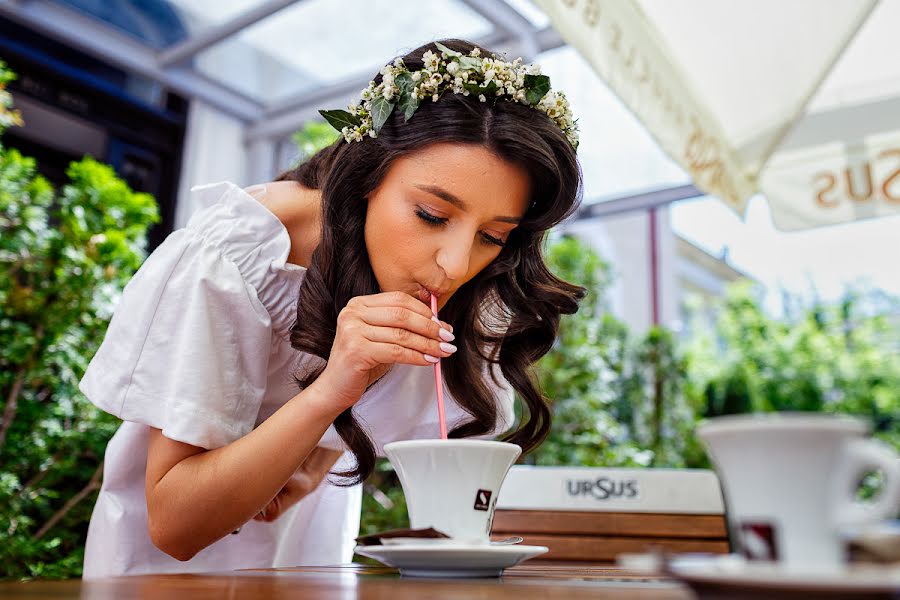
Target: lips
[424, 294]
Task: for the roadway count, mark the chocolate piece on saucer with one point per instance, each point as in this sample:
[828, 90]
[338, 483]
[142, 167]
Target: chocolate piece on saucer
[375, 538]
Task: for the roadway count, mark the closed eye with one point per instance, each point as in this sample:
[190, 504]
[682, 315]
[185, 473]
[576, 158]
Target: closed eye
[430, 218]
[436, 221]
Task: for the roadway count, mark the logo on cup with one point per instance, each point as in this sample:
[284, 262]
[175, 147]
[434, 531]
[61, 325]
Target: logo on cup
[483, 500]
[758, 541]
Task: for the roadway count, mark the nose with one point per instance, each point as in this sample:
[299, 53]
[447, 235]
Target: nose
[454, 256]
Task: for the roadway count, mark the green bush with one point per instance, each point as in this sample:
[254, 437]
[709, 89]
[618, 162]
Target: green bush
[64, 258]
[617, 400]
[838, 358]
[312, 137]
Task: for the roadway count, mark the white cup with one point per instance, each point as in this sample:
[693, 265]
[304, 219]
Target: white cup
[452, 485]
[790, 482]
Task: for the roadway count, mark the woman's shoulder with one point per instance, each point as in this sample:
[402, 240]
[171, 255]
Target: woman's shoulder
[298, 209]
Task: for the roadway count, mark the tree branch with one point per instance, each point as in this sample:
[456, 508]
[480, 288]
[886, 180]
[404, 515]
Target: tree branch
[92, 485]
[39, 476]
[12, 400]
[12, 403]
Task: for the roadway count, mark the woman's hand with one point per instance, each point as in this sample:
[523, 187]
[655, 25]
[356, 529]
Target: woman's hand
[377, 331]
[304, 482]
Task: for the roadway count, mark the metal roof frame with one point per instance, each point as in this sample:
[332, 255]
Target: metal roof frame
[512, 32]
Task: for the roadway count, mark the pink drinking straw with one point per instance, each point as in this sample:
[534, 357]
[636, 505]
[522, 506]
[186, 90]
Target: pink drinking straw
[438, 385]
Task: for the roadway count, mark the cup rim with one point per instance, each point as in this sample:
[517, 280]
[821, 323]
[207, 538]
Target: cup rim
[455, 443]
[781, 421]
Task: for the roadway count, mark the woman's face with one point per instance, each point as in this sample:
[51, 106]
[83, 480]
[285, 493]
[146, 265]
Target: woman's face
[440, 216]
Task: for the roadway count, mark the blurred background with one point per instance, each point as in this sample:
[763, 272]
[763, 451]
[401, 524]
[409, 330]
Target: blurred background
[738, 231]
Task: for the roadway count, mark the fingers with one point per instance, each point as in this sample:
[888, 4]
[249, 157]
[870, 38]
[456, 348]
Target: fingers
[388, 328]
[397, 300]
[400, 319]
[391, 353]
[397, 319]
[405, 338]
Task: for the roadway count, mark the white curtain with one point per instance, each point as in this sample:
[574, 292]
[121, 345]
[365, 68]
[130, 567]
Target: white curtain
[214, 150]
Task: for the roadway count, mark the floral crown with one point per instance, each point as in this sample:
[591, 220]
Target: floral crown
[487, 77]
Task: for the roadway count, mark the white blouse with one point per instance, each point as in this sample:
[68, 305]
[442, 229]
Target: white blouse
[199, 348]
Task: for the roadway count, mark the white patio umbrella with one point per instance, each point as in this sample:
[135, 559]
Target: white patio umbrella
[797, 99]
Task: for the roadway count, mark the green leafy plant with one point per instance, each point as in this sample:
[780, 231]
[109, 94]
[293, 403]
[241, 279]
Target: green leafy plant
[617, 401]
[8, 115]
[839, 358]
[64, 258]
[312, 137]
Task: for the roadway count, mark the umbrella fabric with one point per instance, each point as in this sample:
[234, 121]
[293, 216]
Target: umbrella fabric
[799, 99]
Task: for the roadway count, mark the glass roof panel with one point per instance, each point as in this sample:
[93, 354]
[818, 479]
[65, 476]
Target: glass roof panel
[201, 15]
[530, 11]
[321, 42]
[154, 22]
[161, 23]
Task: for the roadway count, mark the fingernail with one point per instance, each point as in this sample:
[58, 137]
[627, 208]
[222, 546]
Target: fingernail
[446, 335]
[446, 326]
[448, 347]
[431, 358]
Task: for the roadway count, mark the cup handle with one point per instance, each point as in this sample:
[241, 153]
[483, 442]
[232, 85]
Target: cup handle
[859, 456]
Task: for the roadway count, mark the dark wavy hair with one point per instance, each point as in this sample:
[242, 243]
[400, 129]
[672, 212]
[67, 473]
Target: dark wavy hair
[516, 288]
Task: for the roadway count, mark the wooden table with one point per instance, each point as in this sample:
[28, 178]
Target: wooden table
[357, 581]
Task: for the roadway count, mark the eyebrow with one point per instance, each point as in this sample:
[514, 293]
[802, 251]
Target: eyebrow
[457, 202]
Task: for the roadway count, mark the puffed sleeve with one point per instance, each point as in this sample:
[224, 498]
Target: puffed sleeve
[187, 348]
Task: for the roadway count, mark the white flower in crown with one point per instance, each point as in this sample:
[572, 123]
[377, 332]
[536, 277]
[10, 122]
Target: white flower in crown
[489, 78]
[431, 60]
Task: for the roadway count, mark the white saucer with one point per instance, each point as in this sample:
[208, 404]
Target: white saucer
[735, 576]
[445, 560]
[402, 541]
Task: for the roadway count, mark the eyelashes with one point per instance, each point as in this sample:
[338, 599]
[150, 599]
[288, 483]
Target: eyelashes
[434, 221]
[429, 218]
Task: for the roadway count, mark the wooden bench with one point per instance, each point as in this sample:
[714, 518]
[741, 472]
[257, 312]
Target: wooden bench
[593, 514]
[598, 537]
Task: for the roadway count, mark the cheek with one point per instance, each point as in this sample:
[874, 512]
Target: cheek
[392, 238]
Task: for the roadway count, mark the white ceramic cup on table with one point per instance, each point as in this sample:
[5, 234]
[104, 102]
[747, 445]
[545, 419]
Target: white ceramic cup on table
[790, 482]
[452, 485]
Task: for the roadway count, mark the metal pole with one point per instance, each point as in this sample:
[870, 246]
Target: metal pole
[654, 266]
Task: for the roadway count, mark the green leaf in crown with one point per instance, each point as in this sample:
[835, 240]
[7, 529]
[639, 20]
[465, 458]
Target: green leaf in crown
[470, 63]
[381, 110]
[536, 87]
[489, 90]
[447, 50]
[409, 102]
[340, 119]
